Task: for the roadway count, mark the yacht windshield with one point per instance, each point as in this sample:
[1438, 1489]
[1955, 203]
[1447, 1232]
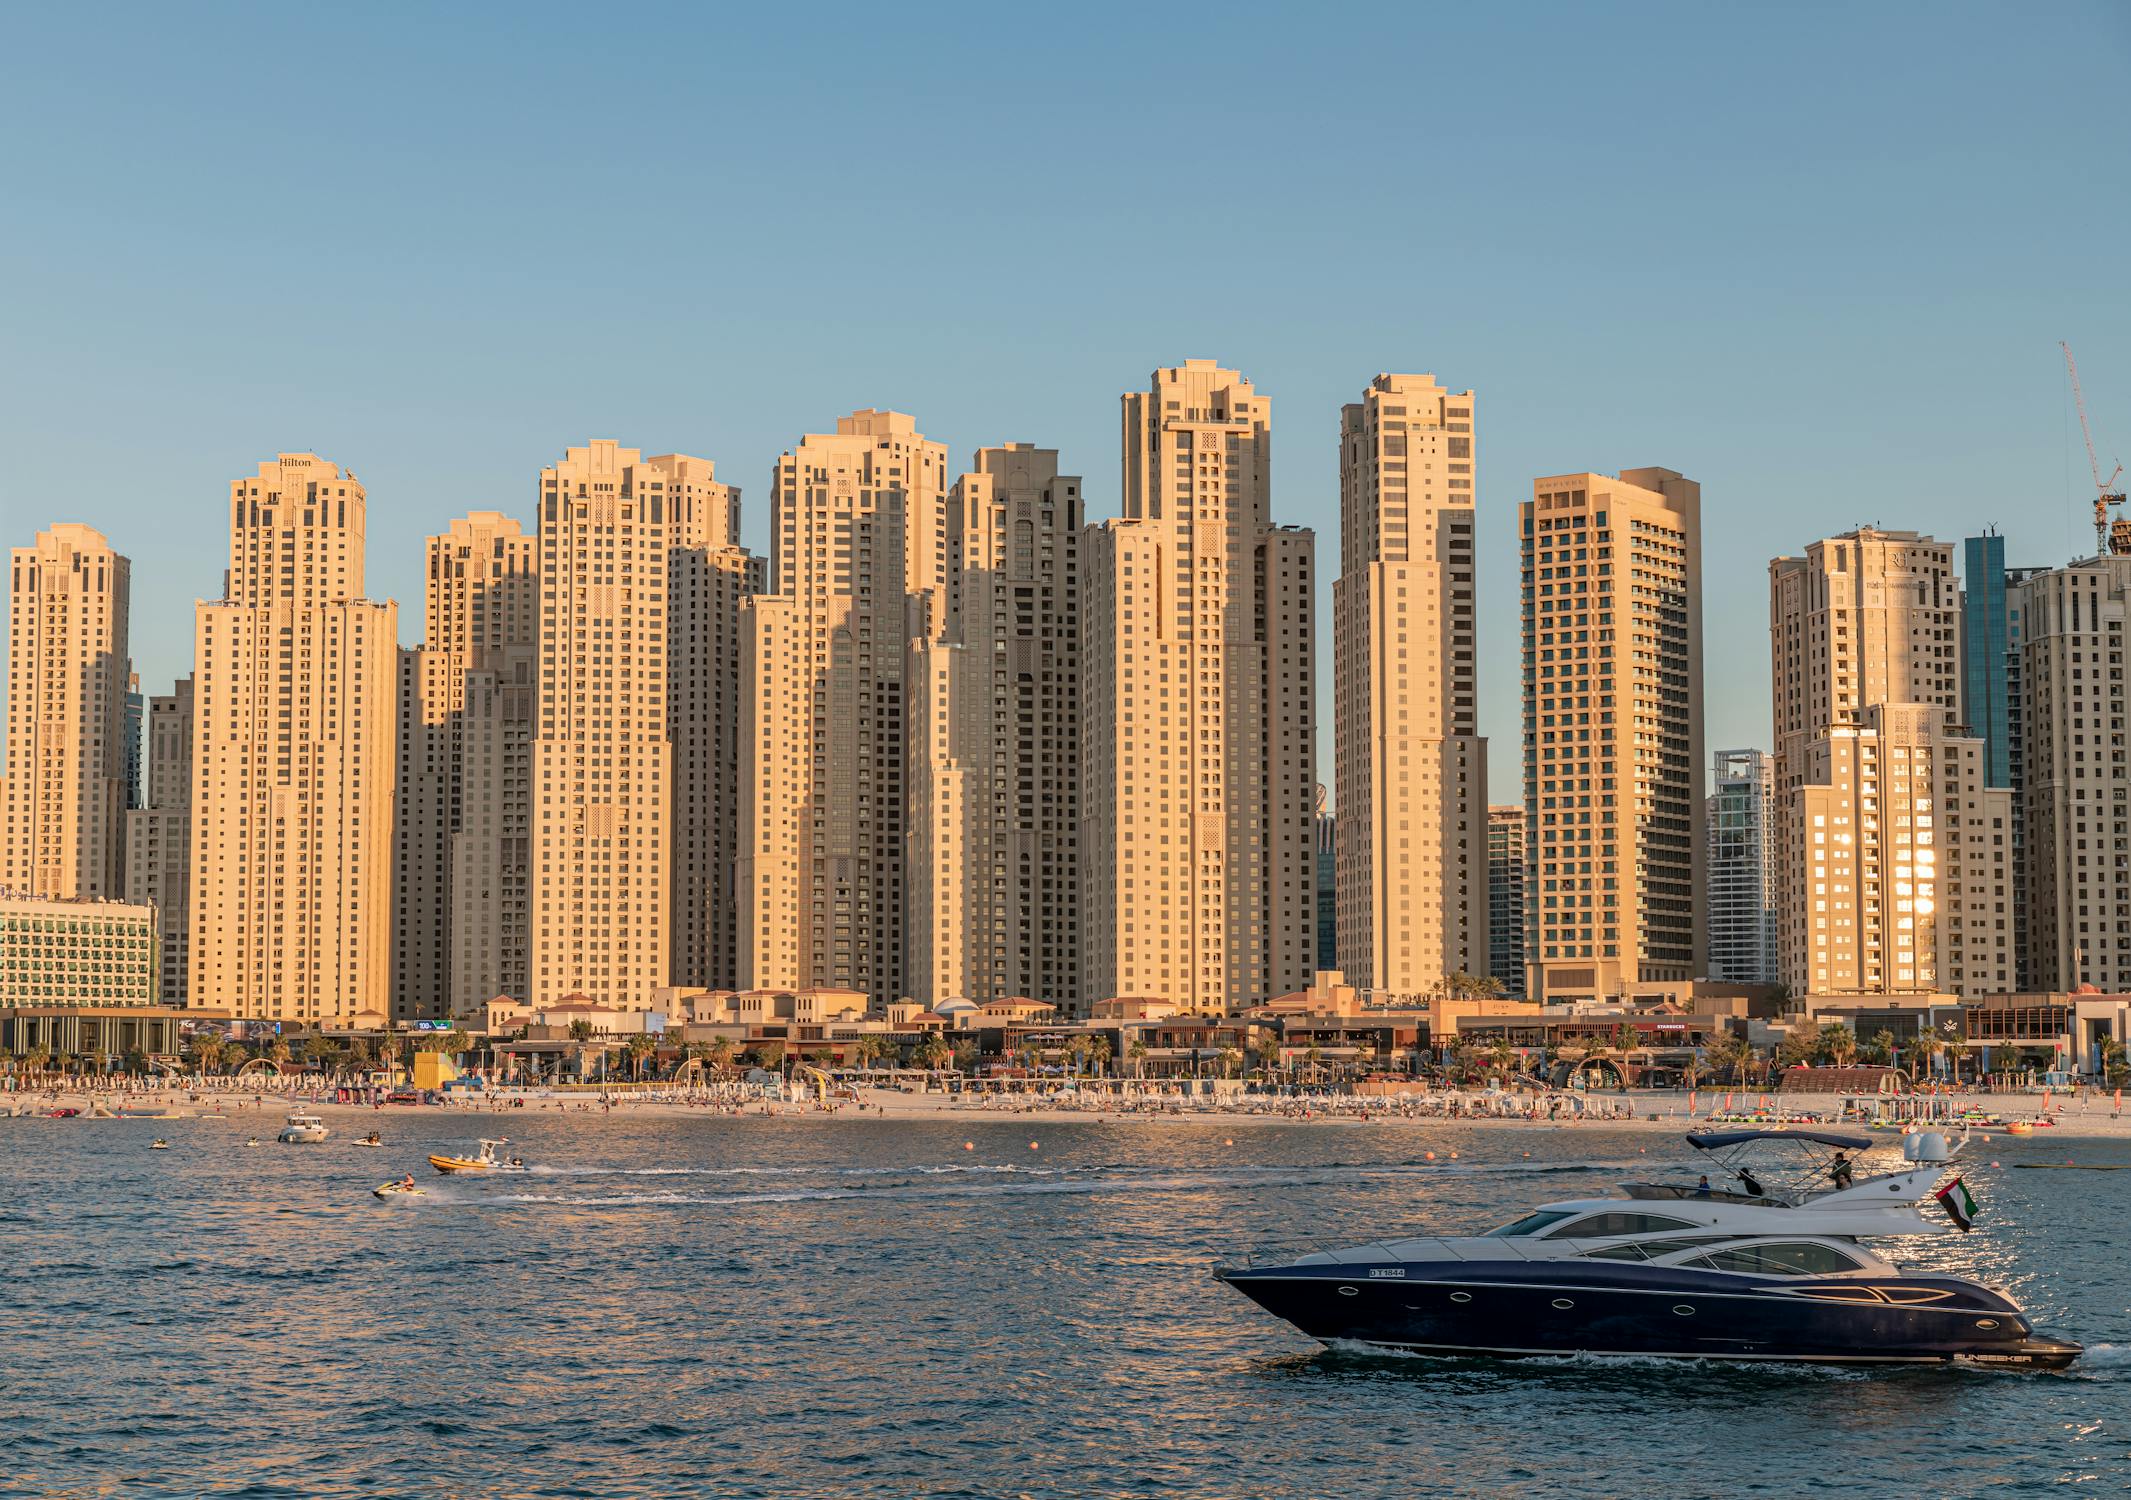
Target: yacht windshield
[1803, 1258]
[1529, 1224]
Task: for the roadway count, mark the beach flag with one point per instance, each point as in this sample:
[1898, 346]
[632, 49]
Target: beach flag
[1958, 1205]
[1690, 1101]
[1727, 1104]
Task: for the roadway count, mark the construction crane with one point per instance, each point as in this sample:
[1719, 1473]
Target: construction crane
[2104, 497]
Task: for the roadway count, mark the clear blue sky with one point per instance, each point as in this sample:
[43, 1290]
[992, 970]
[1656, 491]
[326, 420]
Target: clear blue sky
[1817, 257]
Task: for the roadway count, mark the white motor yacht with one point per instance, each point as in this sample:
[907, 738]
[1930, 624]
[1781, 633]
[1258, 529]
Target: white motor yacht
[303, 1130]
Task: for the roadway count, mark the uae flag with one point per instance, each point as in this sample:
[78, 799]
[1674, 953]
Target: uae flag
[1958, 1205]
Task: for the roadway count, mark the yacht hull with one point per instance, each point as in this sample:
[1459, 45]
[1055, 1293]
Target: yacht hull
[1515, 1309]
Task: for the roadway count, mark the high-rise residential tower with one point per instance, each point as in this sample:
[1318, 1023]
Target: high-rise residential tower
[1613, 732]
[461, 900]
[1506, 897]
[601, 829]
[1410, 764]
[64, 794]
[860, 562]
[294, 759]
[994, 744]
[1893, 853]
[709, 579]
[1198, 759]
[159, 837]
[1742, 868]
[2075, 781]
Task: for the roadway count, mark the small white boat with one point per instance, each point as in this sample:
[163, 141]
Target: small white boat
[159, 1144]
[303, 1130]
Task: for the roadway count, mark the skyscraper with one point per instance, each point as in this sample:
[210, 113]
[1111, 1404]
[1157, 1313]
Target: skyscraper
[1410, 764]
[1742, 869]
[601, 827]
[1198, 761]
[67, 673]
[294, 761]
[159, 837]
[1991, 605]
[2074, 775]
[136, 721]
[1893, 855]
[1613, 732]
[860, 562]
[710, 578]
[994, 744]
[1506, 896]
[1327, 887]
[460, 894]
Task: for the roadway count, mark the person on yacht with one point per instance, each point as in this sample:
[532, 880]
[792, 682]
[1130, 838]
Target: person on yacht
[1841, 1172]
[1750, 1182]
[1701, 1189]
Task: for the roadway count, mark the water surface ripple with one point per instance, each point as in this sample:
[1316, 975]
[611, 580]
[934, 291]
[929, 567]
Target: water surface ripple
[779, 1308]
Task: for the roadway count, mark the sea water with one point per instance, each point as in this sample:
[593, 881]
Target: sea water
[963, 1307]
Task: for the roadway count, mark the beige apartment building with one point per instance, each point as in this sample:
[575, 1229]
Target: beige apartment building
[1893, 859]
[2075, 787]
[994, 741]
[602, 754]
[159, 837]
[1198, 766]
[461, 896]
[1410, 765]
[1613, 750]
[710, 578]
[294, 759]
[861, 563]
[64, 792]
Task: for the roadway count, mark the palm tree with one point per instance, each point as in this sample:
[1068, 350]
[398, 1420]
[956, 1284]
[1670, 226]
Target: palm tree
[1365, 1054]
[1099, 1053]
[1881, 1047]
[1076, 1051]
[1502, 1057]
[38, 1057]
[639, 1046]
[874, 1048]
[1314, 1056]
[963, 1055]
[2115, 1068]
[1269, 1054]
[278, 1053]
[1137, 1051]
[1795, 1048]
[1836, 1043]
[721, 1053]
[207, 1050]
[1231, 1059]
[933, 1053]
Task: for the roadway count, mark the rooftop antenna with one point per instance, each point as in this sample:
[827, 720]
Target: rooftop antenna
[2104, 497]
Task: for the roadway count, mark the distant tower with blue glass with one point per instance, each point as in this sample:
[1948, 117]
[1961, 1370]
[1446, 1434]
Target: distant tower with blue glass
[1992, 601]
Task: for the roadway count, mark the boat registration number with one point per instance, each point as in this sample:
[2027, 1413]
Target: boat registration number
[1381, 1272]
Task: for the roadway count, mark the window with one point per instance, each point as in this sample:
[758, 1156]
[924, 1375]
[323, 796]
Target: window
[1529, 1224]
[1801, 1259]
[1602, 1226]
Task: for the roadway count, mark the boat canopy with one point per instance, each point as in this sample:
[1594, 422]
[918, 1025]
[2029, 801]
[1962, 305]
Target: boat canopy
[1718, 1140]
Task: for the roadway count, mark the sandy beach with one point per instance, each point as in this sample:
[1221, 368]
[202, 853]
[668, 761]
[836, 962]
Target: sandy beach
[2084, 1115]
